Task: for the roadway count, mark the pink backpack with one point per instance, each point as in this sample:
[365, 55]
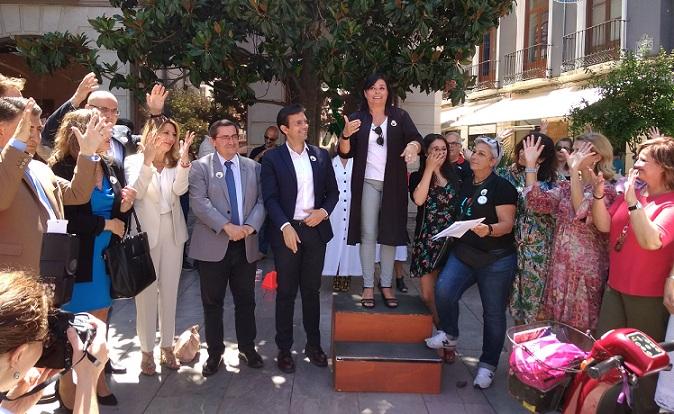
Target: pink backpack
[544, 362]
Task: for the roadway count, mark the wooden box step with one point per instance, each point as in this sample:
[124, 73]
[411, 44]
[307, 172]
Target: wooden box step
[386, 367]
[410, 322]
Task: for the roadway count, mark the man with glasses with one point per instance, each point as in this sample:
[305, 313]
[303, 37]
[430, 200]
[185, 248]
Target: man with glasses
[461, 166]
[226, 199]
[270, 138]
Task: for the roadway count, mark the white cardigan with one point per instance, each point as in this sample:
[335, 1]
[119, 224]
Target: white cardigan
[148, 198]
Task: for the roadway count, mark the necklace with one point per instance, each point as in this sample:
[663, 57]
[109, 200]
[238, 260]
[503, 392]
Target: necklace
[481, 182]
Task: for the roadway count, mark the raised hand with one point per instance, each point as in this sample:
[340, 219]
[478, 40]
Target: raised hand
[97, 129]
[579, 157]
[149, 147]
[22, 131]
[597, 181]
[544, 126]
[630, 187]
[503, 134]
[88, 84]
[654, 132]
[185, 147]
[532, 150]
[350, 127]
[155, 99]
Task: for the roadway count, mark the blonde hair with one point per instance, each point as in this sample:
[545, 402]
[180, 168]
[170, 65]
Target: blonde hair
[65, 142]
[661, 149]
[24, 306]
[602, 146]
[156, 124]
[7, 82]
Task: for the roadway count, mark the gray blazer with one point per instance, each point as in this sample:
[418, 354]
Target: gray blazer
[209, 201]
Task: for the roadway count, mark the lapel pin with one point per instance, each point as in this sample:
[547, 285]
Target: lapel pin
[218, 174]
[394, 123]
[312, 158]
[113, 180]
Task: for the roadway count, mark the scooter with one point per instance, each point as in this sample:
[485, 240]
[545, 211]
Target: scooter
[604, 381]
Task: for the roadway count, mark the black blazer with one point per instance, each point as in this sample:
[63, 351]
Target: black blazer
[279, 189]
[393, 213]
[83, 222]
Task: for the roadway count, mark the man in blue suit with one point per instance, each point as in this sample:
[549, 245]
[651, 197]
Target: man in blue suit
[299, 192]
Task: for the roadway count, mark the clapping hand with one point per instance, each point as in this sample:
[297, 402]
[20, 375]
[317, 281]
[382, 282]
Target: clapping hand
[185, 147]
[579, 158]
[544, 127]
[630, 187]
[97, 130]
[149, 147]
[597, 181]
[350, 127]
[503, 134]
[88, 84]
[155, 99]
[532, 150]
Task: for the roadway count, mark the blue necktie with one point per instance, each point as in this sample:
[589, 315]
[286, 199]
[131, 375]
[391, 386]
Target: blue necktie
[231, 190]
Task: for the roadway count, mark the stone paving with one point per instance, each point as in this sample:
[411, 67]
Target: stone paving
[239, 389]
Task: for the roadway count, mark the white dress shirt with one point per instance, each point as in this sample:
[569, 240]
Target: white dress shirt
[376, 154]
[164, 182]
[236, 170]
[305, 183]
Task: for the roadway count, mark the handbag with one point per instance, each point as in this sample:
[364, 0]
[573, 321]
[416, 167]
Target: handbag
[58, 264]
[129, 264]
[474, 257]
[187, 346]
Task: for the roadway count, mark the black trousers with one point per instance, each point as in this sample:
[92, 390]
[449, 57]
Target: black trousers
[300, 270]
[214, 276]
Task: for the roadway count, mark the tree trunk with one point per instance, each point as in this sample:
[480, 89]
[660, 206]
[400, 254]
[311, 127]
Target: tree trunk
[306, 91]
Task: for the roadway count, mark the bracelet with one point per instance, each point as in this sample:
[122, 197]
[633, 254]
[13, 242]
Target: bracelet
[598, 198]
[156, 116]
[533, 170]
[345, 138]
[491, 230]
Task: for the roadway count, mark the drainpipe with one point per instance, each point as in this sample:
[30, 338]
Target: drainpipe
[623, 26]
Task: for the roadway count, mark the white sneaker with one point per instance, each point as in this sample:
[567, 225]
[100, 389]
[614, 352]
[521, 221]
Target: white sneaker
[440, 340]
[483, 378]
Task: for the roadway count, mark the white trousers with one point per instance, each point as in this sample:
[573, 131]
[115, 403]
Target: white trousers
[161, 296]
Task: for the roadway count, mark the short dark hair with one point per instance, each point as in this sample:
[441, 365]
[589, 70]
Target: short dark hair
[213, 129]
[367, 84]
[285, 112]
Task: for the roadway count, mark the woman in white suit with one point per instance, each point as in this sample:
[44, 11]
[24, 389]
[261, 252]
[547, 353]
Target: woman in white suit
[160, 176]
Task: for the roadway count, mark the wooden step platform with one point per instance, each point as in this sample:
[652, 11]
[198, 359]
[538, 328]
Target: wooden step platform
[410, 322]
[386, 367]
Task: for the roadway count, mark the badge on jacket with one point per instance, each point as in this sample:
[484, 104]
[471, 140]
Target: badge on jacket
[394, 123]
[218, 174]
[312, 158]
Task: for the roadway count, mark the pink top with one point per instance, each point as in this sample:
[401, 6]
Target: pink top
[633, 270]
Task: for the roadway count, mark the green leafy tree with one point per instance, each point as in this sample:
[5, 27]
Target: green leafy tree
[636, 95]
[318, 49]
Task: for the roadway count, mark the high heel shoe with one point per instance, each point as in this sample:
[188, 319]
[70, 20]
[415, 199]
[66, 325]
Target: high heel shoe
[147, 365]
[168, 358]
[389, 302]
[400, 285]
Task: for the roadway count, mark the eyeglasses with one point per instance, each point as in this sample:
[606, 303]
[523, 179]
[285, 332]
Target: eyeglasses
[266, 138]
[234, 137]
[454, 144]
[105, 110]
[380, 133]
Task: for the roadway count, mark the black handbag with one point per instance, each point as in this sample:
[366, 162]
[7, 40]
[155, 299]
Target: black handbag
[58, 264]
[129, 264]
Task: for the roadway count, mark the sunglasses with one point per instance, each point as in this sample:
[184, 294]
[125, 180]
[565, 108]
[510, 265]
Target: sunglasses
[380, 138]
[568, 149]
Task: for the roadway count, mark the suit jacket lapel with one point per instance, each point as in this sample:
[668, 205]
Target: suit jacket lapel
[313, 160]
[219, 176]
[285, 155]
[243, 171]
[48, 188]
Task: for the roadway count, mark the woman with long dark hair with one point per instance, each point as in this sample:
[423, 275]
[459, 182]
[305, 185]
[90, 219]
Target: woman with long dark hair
[381, 139]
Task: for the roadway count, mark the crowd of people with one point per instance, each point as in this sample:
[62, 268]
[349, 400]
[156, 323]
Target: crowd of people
[562, 237]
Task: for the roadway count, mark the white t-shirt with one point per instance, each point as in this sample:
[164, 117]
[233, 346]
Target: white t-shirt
[376, 154]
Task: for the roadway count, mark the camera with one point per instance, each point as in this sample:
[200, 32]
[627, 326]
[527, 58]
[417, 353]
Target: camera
[57, 353]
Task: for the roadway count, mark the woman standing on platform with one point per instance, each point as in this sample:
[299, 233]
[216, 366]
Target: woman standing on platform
[98, 223]
[381, 139]
[341, 260]
[436, 194]
[578, 272]
[160, 175]
[533, 231]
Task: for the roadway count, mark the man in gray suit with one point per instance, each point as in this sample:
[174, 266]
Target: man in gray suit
[226, 199]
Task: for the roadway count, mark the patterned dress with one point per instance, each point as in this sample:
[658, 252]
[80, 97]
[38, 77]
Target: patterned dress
[533, 234]
[579, 262]
[438, 214]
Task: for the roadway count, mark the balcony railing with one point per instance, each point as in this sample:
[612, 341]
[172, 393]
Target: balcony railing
[485, 75]
[529, 63]
[596, 44]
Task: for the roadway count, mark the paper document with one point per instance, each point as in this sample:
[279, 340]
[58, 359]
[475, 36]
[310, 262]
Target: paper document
[458, 228]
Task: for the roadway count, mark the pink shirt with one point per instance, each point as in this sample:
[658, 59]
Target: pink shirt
[633, 270]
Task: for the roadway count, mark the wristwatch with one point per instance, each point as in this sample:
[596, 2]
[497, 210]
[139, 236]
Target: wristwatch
[634, 207]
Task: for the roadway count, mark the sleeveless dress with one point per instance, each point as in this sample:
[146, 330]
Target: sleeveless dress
[94, 295]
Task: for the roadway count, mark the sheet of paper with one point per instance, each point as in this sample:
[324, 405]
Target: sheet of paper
[57, 226]
[458, 228]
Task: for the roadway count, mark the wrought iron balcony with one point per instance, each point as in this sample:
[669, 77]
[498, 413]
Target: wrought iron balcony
[596, 44]
[485, 75]
[529, 63]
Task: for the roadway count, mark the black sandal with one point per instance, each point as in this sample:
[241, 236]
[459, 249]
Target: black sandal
[389, 302]
[367, 303]
[400, 285]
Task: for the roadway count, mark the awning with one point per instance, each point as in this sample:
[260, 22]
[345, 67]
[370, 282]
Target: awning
[552, 104]
[451, 115]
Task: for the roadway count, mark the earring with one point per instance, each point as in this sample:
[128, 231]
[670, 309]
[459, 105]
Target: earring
[17, 375]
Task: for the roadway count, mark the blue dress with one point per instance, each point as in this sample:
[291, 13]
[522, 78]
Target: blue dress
[94, 295]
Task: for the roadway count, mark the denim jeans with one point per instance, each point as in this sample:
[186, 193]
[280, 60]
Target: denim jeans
[494, 282]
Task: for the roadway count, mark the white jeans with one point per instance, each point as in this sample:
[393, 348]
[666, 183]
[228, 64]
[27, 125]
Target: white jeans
[161, 296]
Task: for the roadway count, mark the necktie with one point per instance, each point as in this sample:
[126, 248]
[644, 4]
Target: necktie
[231, 191]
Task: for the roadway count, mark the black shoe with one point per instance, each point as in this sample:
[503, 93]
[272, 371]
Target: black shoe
[111, 368]
[316, 356]
[400, 285]
[211, 366]
[285, 362]
[252, 358]
[107, 400]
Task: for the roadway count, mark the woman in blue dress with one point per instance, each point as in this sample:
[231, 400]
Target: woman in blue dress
[97, 223]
